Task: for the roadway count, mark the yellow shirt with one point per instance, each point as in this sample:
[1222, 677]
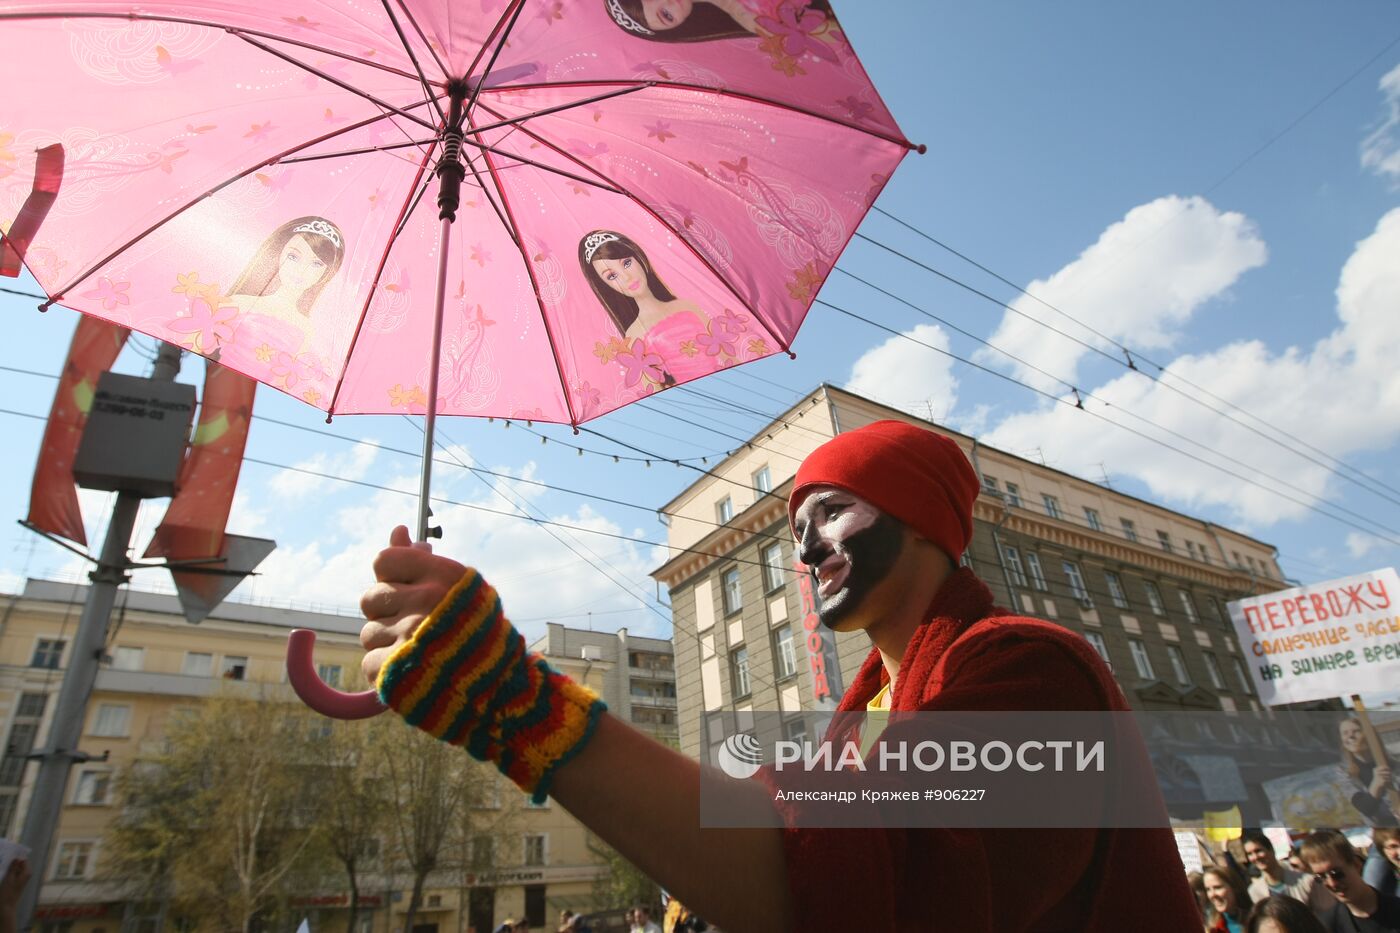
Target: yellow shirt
[877, 716]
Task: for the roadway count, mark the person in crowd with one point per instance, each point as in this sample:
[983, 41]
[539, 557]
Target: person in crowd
[1197, 882]
[1225, 890]
[1360, 908]
[1279, 913]
[881, 515]
[1274, 878]
[1387, 840]
[642, 922]
[11, 887]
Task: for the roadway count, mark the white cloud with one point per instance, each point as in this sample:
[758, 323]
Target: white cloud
[905, 375]
[353, 463]
[1359, 544]
[1380, 151]
[1342, 395]
[1138, 284]
[538, 577]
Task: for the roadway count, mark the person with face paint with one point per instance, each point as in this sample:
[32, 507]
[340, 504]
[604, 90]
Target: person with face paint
[881, 515]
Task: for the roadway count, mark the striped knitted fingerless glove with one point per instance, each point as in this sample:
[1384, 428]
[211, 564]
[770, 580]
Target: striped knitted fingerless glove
[465, 678]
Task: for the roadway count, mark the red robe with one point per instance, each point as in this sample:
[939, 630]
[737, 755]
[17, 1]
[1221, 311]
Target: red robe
[972, 656]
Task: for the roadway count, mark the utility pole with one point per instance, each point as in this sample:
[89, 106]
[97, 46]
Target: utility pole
[60, 753]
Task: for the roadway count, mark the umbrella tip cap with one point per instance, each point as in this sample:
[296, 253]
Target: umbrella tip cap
[921, 149]
[791, 355]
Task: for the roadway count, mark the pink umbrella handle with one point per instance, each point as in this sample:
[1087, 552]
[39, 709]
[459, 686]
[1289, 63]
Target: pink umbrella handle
[315, 693]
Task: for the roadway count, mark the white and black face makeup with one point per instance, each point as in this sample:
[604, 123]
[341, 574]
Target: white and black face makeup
[850, 546]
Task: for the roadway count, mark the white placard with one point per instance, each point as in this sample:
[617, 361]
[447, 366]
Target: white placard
[1327, 640]
[1190, 848]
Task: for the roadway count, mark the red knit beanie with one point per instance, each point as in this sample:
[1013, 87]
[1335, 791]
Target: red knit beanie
[919, 477]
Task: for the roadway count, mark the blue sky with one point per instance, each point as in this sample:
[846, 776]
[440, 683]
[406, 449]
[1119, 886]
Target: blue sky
[1122, 162]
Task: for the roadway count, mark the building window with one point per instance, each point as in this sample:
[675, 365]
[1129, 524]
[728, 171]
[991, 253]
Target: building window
[1205, 555]
[1191, 549]
[48, 653]
[234, 668]
[795, 730]
[1013, 495]
[989, 483]
[773, 576]
[483, 853]
[1076, 583]
[1154, 598]
[1013, 565]
[1052, 505]
[1213, 669]
[1092, 517]
[330, 673]
[739, 662]
[74, 860]
[1115, 589]
[1165, 540]
[784, 654]
[1217, 610]
[198, 664]
[733, 596]
[20, 743]
[113, 720]
[128, 659]
[536, 849]
[1095, 639]
[1242, 677]
[724, 510]
[92, 788]
[1188, 606]
[1129, 529]
[762, 480]
[1178, 660]
[1037, 574]
[1140, 659]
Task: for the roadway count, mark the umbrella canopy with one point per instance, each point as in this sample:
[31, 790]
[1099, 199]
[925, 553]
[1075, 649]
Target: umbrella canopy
[654, 189]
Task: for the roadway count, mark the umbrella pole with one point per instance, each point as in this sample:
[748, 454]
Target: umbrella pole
[450, 172]
[430, 422]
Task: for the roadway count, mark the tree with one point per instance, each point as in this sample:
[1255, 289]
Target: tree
[428, 785]
[624, 885]
[225, 816]
[356, 798]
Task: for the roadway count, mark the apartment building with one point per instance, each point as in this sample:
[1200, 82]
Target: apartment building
[637, 673]
[159, 667]
[1145, 585]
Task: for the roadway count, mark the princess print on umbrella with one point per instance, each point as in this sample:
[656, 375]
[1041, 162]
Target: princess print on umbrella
[273, 331]
[661, 340]
[787, 28]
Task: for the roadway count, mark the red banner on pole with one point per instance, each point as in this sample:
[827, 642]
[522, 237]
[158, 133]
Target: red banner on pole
[53, 499]
[194, 524]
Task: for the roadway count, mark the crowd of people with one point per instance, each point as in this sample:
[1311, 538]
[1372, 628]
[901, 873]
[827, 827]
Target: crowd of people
[1320, 890]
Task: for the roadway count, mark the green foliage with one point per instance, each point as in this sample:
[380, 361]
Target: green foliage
[625, 885]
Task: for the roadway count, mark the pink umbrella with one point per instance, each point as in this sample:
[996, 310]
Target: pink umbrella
[645, 191]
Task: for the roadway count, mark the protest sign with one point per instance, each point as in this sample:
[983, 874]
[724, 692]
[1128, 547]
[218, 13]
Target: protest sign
[1332, 639]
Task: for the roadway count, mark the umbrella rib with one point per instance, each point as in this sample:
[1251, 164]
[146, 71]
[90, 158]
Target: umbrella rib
[209, 24]
[495, 54]
[772, 331]
[408, 14]
[409, 206]
[510, 230]
[408, 50]
[557, 108]
[490, 38]
[343, 85]
[59, 295]
[535, 286]
[540, 165]
[722, 92]
[354, 152]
